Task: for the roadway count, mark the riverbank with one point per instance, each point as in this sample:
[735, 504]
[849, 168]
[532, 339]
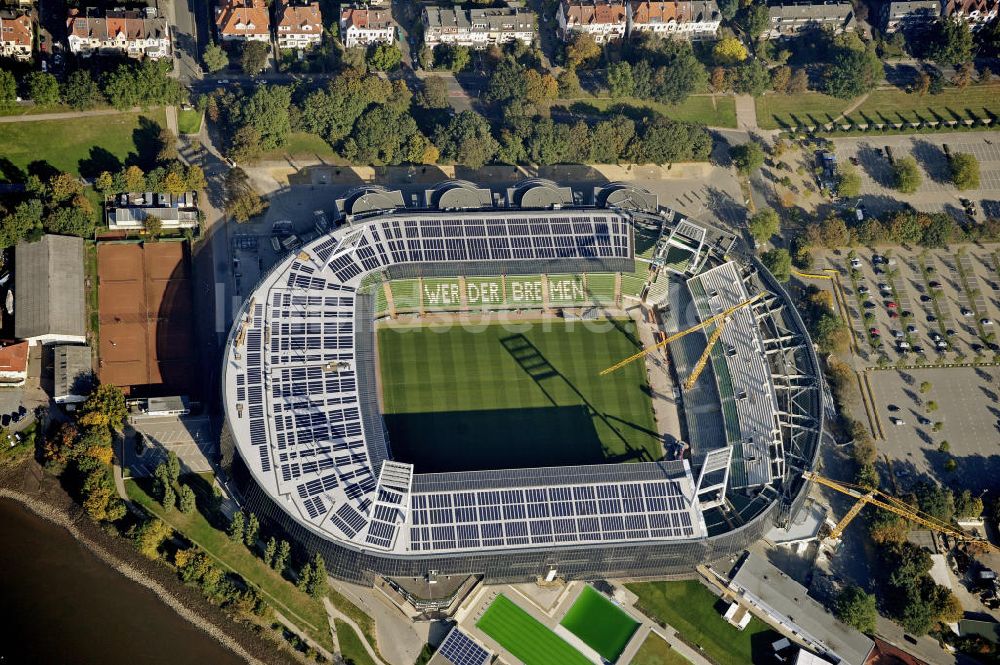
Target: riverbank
[29, 485]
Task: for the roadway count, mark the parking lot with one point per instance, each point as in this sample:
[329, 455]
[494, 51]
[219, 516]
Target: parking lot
[966, 400]
[190, 437]
[921, 307]
[936, 193]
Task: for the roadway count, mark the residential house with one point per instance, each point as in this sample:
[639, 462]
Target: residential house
[48, 290]
[976, 13]
[604, 20]
[174, 211]
[910, 15]
[16, 34]
[361, 26]
[13, 364]
[243, 20]
[478, 28]
[132, 33]
[791, 20]
[299, 26]
[72, 374]
[690, 19]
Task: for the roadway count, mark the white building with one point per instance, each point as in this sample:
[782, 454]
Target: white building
[694, 19]
[478, 28]
[604, 20]
[361, 26]
[129, 33]
[16, 34]
[243, 20]
[299, 26]
[129, 212]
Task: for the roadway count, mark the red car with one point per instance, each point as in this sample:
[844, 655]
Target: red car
[874, 332]
[891, 305]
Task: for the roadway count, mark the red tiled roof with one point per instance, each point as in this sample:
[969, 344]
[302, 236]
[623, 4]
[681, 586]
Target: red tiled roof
[16, 30]
[14, 357]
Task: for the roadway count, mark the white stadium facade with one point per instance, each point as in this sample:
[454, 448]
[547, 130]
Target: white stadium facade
[308, 448]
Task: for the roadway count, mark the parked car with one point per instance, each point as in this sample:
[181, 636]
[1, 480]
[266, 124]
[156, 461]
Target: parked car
[897, 421]
[912, 329]
[874, 332]
[862, 289]
[934, 284]
[890, 304]
[966, 311]
[903, 345]
[855, 263]
[986, 322]
[898, 334]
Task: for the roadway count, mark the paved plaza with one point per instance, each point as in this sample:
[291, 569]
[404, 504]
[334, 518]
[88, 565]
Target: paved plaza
[190, 437]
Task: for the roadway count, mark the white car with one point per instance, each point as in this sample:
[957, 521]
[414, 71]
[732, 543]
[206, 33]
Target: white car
[855, 263]
[986, 322]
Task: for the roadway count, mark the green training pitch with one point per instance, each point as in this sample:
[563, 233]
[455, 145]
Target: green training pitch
[459, 399]
[525, 638]
[600, 624]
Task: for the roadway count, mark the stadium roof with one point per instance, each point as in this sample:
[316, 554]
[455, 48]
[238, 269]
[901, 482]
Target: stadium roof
[48, 289]
[746, 388]
[301, 396]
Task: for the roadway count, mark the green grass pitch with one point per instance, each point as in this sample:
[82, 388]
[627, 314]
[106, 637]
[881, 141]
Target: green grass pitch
[495, 397]
[600, 624]
[525, 638]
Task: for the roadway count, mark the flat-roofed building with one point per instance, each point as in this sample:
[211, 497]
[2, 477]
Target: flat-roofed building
[299, 26]
[604, 20]
[48, 290]
[362, 26]
[906, 16]
[697, 19]
[478, 28]
[72, 374]
[792, 19]
[175, 211]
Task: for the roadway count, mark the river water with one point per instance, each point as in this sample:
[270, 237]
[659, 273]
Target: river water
[62, 605]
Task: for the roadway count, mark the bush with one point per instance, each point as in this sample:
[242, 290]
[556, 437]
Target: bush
[964, 170]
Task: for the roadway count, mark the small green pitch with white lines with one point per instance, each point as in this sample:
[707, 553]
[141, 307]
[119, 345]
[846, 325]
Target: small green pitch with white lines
[515, 396]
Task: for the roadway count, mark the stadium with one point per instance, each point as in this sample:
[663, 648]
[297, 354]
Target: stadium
[418, 394]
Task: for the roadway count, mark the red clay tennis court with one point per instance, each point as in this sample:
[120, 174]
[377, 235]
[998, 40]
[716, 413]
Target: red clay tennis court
[145, 306]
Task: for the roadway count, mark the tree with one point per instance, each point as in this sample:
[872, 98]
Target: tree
[281, 558]
[763, 225]
[236, 526]
[466, 140]
[105, 408]
[620, 81]
[540, 87]
[963, 75]
[729, 51]
[187, 501]
[964, 170]
[967, 505]
[935, 500]
[581, 50]
[173, 466]
[755, 19]
[506, 82]
[569, 84]
[8, 89]
[215, 58]
[148, 537]
[747, 157]
[384, 57]
[751, 78]
[426, 57]
[434, 94]
[952, 42]
[43, 88]
[906, 174]
[317, 581]
[925, 387]
[251, 531]
[194, 178]
[135, 179]
[242, 200]
[799, 82]
[270, 550]
[80, 91]
[146, 83]
[848, 181]
[857, 608]
[253, 58]
[24, 222]
[779, 262]
[781, 78]
[305, 577]
[852, 72]
[161, 474]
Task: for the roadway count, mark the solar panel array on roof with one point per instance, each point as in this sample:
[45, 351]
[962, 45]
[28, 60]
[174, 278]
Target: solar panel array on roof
[459, 649]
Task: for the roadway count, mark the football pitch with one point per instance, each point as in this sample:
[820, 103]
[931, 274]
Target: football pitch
[525, 638]
[600, 624]
[497, 397]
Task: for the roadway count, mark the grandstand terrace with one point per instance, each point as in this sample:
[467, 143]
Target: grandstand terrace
[302, 409]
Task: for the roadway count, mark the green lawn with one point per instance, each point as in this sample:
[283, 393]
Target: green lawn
[600, 624]
[306, 612]
[89, 144]
[525, 638]
[886, 106]
[351, 647]
[707, 109]
[452, 397]
[188, 121]
[656, 651]
[691, 609]
[304, 144]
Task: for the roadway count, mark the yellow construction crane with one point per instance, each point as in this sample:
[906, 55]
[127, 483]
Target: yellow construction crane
[676, 336]
[885, 501]
[703, 360]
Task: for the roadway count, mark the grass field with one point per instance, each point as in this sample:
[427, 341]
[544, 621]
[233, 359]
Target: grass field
[89, 144]
[712, 111]
[524, 637]
[188, 121]
[351, 647]
[885, 106]
[600, 624]
[492, 398]
[691, 609]
[655, 651]
[304, 144]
